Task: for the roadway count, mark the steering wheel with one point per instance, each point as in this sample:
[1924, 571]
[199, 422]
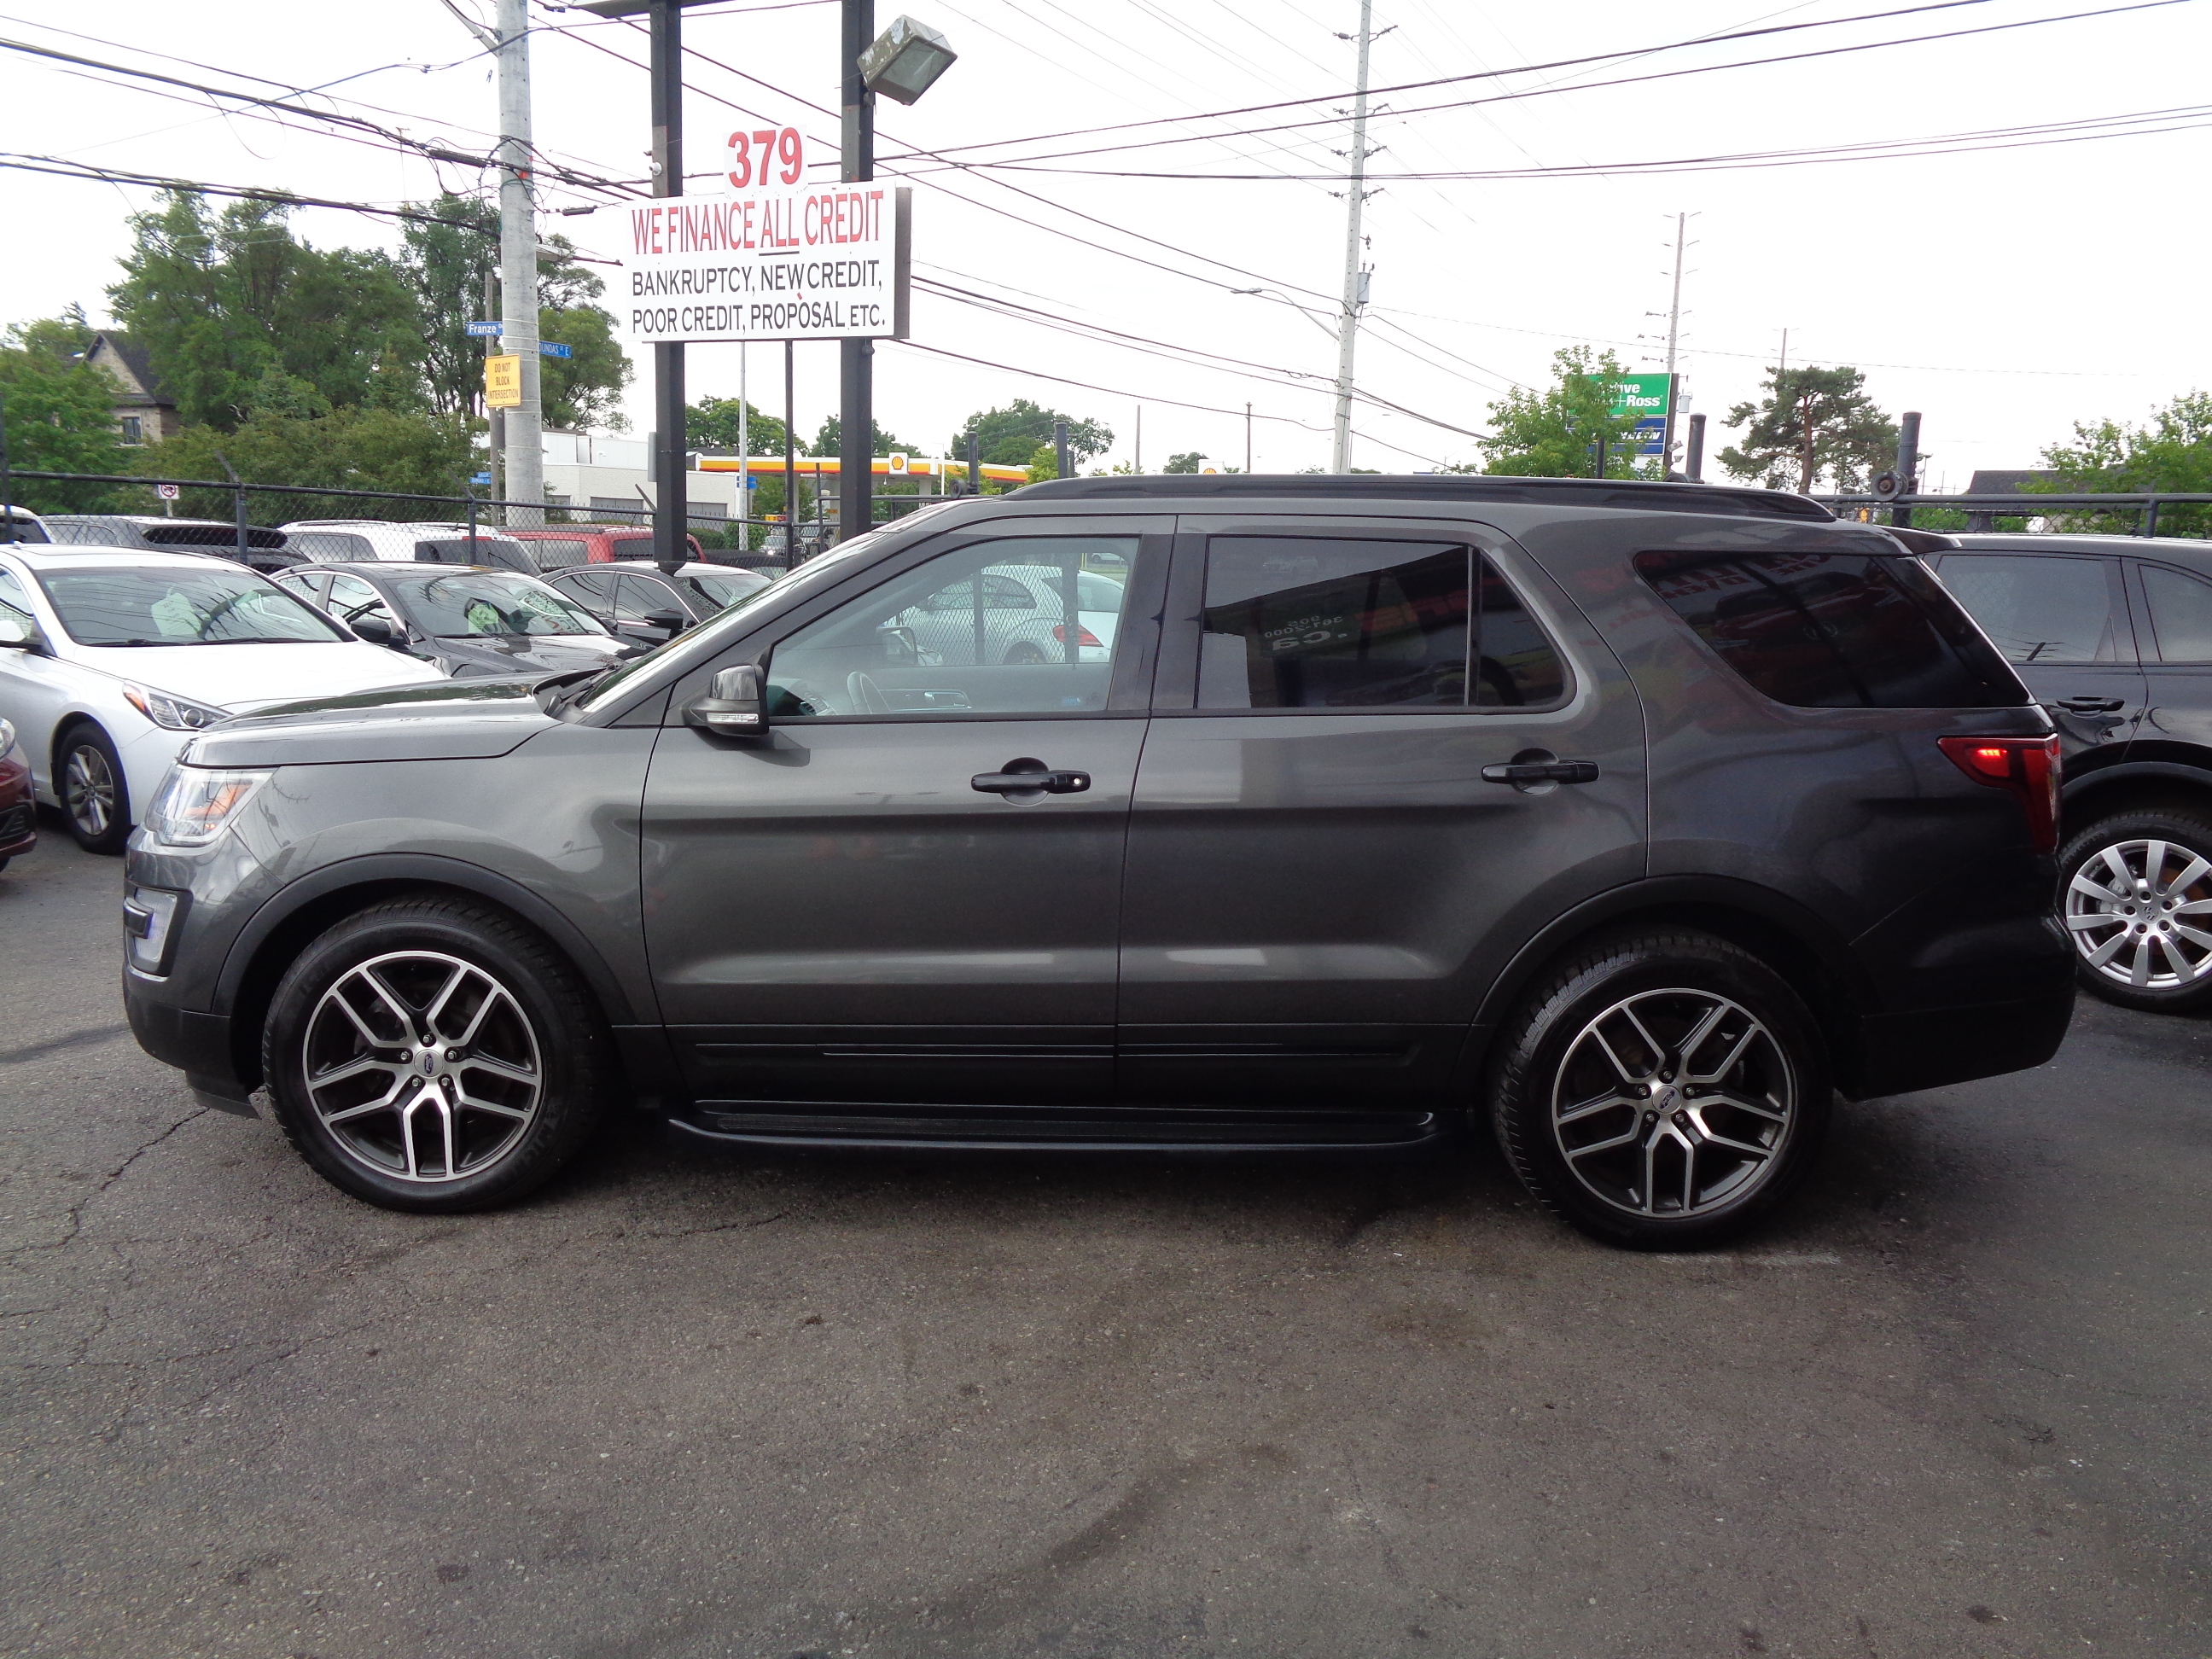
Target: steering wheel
[864, 696]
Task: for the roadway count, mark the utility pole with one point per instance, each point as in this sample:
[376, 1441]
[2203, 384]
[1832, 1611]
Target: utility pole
[1355, 280]
[856, 359]
[1673, 334]
[744, 459]
[1139, 462]
[1248, 437]
[524, 425]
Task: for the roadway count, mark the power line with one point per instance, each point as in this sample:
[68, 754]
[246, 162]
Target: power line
[15, 161]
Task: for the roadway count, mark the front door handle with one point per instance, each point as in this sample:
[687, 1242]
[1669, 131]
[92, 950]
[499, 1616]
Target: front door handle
[1521, 774]
[1026, 776]
[2091, 705]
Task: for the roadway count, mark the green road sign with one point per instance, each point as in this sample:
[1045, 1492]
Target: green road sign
[1644, 396]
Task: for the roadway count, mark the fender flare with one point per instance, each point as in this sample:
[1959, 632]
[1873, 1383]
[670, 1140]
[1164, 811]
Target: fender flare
[388, 869]
[2123, 771]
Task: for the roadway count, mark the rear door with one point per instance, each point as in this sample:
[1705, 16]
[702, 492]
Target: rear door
[1322, 879]
[2177, 651]
[2062, 620]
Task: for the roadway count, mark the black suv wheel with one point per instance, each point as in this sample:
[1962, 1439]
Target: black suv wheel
[1661, 1091]
[432, 1054]
[2136, 895]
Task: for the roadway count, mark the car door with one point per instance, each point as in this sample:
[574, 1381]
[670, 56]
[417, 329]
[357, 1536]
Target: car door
[1327, 862]
[2062, 620]
[873, 904]
[2177, 652]
[35, 686]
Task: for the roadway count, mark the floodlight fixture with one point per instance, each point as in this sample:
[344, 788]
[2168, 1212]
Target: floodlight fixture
[906, 60]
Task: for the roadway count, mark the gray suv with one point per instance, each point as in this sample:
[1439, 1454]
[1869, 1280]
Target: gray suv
[1636, 821]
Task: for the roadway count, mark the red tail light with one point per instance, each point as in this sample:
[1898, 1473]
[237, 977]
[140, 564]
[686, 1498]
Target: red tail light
[2026, 765]
[1083, 635]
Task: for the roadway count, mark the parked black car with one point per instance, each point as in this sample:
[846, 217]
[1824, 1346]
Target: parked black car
[636, 598]
[467, 619]
[1632, 820]
[2113, 636]
[267, 551]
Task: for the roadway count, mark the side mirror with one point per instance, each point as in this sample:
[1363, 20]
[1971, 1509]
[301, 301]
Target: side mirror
[900, 645]
[19, 632]
[671, 622]
[377, 630]
[732, 707]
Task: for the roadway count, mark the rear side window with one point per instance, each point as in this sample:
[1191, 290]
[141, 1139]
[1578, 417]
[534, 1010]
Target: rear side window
[338, 546]
[1834, 630]
[2038, 609]
[557, 552]
[1313, 623]
[2180, 613]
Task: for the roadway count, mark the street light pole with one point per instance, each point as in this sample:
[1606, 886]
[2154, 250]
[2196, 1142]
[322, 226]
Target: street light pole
[856, 364]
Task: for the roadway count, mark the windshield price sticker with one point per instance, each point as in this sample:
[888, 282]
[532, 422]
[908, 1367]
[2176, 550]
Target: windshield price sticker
[820, 264]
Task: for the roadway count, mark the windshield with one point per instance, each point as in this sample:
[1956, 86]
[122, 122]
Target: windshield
[216, 606]
[719, 590]
[486, 602]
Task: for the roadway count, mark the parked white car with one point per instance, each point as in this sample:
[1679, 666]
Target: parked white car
[343, 541]
[1019, 621]
[111, 659]
[21, 524]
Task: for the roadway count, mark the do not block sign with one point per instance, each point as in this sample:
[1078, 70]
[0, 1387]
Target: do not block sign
[821, 263]
[502, 382]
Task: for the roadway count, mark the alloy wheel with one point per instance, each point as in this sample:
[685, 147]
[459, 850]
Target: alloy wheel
[422, 1066]
[2140, 913]
[1673, 1103]
[88, 790]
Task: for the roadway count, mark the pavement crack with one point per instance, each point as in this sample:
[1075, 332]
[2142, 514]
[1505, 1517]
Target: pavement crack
[73, 1215]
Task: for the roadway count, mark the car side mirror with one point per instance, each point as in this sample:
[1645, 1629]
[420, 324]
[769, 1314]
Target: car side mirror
[674, 621]
[377, 630]
[20, 634]
[732, 707]
[900, 645]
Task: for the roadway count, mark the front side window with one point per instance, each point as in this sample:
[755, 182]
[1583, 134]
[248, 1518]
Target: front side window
[489, 603]
[638, 597]
[1818, 630]
[2180, 613]
[2040, 609]
[1348, 623]
[593, 587]
[948, 637]
[141, 607]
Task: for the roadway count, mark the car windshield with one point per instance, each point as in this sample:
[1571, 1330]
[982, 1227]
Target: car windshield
[719, 590]
[478, 603]
[146, 607]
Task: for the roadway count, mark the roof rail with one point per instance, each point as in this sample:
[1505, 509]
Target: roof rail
[1630, 494]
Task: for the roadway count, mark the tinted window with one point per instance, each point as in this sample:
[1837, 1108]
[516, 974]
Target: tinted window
[22, 529]
[1300, 622]
[593, 587]
[91, 532]
[556, 553]
[179, 607]
[637, 596]
[904, 649]
[335, 545]
[1834, 630]
[487, 550]
[353, 598]
[2040, 609]
[721, 588]
[2180, 613]
[489, 602]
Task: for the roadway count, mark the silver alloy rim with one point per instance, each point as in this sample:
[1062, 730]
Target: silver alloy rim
[2140, 913]
[1673, 1103]
[422, 1068]
[89, 788]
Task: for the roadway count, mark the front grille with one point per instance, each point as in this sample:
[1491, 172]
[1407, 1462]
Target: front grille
[16, 822]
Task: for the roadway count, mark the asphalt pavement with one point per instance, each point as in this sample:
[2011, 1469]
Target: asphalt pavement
[686, 1404]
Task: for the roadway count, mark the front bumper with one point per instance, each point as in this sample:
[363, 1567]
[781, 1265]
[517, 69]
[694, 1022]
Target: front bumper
[197, 1044]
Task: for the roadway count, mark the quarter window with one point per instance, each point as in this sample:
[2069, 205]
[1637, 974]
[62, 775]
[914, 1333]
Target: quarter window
[947, 637]
[1315, 623]
[2180, 614]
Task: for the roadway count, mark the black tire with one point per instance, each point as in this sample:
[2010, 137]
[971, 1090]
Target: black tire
[94, 794]
[507, 1137]
[1023, 654]
[2181, 842]
[1593, 1170]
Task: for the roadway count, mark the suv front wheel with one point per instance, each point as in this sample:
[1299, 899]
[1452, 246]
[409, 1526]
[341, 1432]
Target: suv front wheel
[2136, 893]
[1661, 1091]
[433, 1054]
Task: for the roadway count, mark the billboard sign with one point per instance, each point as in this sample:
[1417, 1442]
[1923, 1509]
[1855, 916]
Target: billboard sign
[825, 262]
[1644, 396]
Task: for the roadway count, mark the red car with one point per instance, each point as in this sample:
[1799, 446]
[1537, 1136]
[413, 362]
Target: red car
[18, 823]
[557, 547]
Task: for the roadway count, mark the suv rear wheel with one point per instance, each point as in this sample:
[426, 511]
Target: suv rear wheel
[1661, 1091]
[2136, 895]
[433, 1054]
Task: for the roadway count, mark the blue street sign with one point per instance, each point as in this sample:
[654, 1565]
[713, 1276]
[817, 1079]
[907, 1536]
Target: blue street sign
[752, 482]
[553, 349]
[479, 478]
[485, 328]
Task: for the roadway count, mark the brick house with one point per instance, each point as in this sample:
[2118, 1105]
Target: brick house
[143, 413]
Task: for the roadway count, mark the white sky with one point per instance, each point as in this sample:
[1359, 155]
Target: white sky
[2006, 293]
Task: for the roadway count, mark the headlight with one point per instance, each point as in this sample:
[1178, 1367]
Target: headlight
[195, 804]
[173, 714]
[7, 738]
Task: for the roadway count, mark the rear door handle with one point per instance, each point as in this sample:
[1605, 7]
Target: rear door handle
[1030, 777]
[2091, 705]
[1521, 774]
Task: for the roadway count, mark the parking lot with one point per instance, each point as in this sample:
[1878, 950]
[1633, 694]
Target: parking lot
[688, 1404]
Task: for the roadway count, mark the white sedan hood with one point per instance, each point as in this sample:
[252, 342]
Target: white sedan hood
[239, 678]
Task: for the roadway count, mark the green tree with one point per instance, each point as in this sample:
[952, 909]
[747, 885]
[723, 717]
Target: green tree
[833, 434]
[712, 424]
[585, 388]
[2173, 452]
[1044, 463]
[1009, 437]
[1553, 432]
[59, 415]
[346, 448]
[218, 299]
[1812, 423]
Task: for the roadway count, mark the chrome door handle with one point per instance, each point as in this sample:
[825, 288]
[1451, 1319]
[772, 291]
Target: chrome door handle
[1521, 774]
[1026, 776]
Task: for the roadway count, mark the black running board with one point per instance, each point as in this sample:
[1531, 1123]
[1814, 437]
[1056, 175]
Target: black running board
[1027, 1128]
